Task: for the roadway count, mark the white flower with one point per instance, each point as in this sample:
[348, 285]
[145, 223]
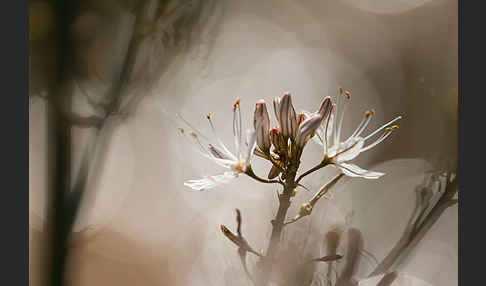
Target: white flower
[215, 150]
[339, 153]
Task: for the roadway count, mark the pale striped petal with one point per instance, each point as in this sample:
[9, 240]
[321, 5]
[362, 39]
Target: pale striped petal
[237, 126]
[347, 150]
[210, 182]
[353, 170]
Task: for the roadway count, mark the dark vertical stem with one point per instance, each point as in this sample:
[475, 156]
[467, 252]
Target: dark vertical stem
[59, 149]
[278, 222]
[60, 155]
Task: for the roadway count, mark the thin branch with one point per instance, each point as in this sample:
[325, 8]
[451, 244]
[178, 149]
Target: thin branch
[242, 255]
[327, 258]
[304, 187]
[238, 222]
[250, 173]
[317, 167]
[306, 209]
[239, 240]
[296, 218]
[414, 233]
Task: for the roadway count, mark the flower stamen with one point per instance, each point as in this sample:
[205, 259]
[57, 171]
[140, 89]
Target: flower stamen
[236, 103]
[364, 123]
[345, 150]
[382, 127]
[240, 166]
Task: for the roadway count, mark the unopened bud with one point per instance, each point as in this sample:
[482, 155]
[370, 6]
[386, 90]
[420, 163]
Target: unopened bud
[301, 117]
[261, 122]
[273, 173]
[288, 118]
[325, 108]
[307, 129]
[275, 137]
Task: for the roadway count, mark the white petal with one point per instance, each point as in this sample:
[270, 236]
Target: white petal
[251, 145]
[347, 150]
[330, 126]
[326, 124]
[218, 153]
[224, 162]
[352, 170]
[201, 146]
[237, 128]
[201, 143]
[319, 138]
[383, 127]
[377, 141]
[339, 116]
[210, 182]
[220, 142]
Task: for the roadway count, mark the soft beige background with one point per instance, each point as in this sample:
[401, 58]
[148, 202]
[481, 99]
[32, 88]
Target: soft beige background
[145, 227]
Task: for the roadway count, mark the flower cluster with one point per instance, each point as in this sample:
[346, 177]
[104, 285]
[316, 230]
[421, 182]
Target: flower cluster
[283, 144]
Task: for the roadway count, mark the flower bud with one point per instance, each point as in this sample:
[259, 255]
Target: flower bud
[275, 137]
[288, 118]
[276, 108]
[325, 109]
[301, 117]
[308, 128]
[273, 173]
[261, 120]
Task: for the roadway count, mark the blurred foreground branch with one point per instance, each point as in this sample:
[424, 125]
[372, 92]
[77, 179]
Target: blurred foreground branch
[65, 199]
[430, 205]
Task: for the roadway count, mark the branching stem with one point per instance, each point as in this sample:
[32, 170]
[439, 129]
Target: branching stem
[319, 166]
[250, 173]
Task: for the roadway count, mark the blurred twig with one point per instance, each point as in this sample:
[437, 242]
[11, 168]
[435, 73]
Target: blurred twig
[241, 242]
[420, 222]
[306, 209]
